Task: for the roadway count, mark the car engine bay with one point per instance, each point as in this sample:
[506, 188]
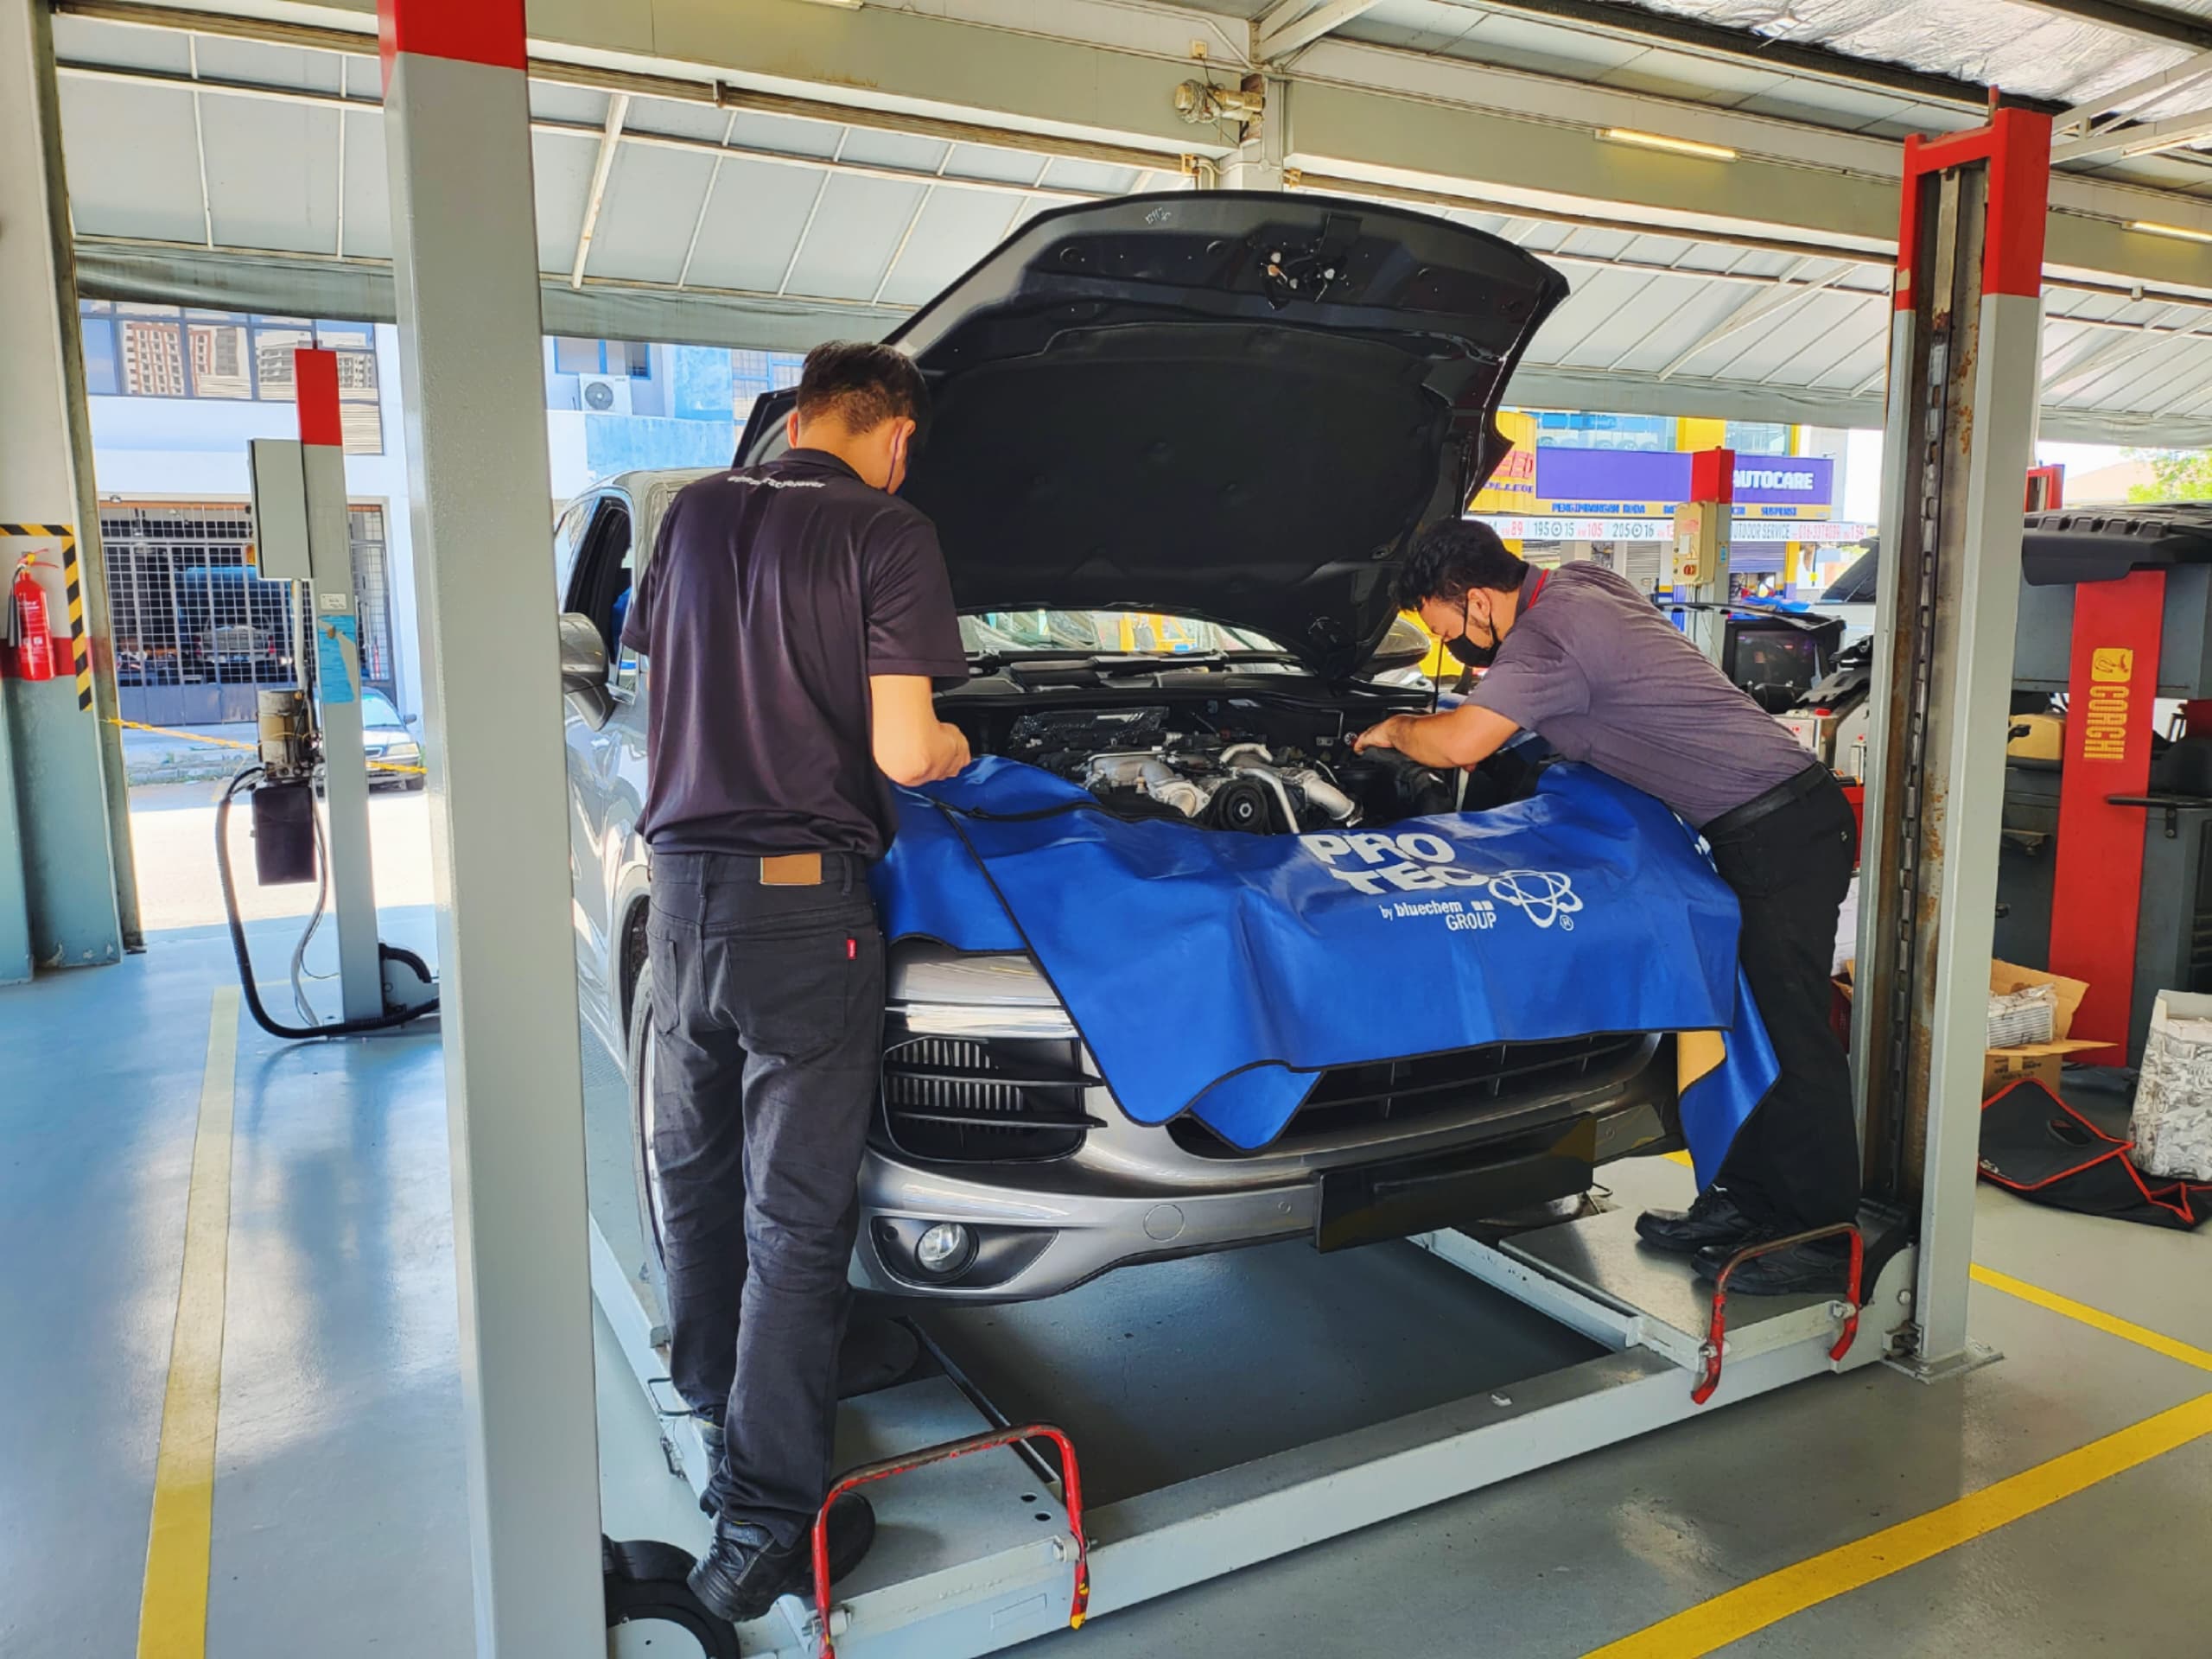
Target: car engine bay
[1253, 765]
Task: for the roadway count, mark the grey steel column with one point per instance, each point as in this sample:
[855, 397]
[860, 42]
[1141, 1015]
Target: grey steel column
[58, 888]
[465, 247]
[334, 628]
[1966, 359]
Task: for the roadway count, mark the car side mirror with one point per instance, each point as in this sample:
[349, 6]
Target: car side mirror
[1404, 647]
[414, 719]
[583, 653]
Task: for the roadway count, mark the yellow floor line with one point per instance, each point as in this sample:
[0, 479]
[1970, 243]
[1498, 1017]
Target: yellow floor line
[172, 1610]
[2127, 1330]
[1751, 1607]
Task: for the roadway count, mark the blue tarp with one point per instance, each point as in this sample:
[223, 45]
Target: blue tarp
[1216, 974]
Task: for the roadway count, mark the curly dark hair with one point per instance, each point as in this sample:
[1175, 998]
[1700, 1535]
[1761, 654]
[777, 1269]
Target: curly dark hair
[1453, 556]
[863, 383]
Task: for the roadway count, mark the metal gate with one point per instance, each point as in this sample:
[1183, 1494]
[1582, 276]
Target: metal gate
[198, 630]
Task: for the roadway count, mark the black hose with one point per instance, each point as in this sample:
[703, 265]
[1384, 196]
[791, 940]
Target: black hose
[341, 1028]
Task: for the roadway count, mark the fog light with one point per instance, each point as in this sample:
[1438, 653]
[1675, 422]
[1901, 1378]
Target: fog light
[945, 1249]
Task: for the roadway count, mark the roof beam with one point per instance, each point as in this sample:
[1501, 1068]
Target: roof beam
[1096, 73]
[1753, 311]
[2134, 17]
[2079, 120]
[610, 142]
[2147, 139]
[1740, 46]
[1289, 25]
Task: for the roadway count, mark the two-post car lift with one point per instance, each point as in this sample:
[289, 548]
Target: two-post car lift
[989, 1549]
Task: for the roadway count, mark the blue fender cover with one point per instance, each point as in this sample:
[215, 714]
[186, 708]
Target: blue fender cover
[1216, 974]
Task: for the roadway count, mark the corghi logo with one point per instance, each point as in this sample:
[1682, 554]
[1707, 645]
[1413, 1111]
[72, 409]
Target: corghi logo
[2104, 723]
[1419, 861]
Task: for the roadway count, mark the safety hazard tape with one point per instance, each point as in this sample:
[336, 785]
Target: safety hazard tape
[251, 748]
[80, 649]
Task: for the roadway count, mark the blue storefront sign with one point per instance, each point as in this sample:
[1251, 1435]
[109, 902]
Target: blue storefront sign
[1626, 484]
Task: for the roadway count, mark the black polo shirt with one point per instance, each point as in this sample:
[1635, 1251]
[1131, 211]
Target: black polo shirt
[773, 595]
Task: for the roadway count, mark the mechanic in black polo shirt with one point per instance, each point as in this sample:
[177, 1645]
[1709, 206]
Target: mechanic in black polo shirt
[794, 615]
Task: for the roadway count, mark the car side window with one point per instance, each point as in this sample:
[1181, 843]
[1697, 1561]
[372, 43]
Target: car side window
[568, 538]
[628, 666]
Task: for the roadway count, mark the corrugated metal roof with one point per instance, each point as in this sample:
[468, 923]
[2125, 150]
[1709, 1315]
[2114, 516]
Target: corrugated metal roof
[751, 227]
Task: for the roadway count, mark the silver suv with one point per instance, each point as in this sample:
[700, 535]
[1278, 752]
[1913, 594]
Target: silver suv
[1178, 445]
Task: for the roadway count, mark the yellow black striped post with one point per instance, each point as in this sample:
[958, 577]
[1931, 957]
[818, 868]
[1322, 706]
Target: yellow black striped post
[80, 649]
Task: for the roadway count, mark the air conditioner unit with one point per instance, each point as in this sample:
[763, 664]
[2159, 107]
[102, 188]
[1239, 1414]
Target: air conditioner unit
[604, 394]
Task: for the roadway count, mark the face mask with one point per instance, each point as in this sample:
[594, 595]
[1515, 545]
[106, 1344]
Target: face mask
[1464, 650]
[1469, 654]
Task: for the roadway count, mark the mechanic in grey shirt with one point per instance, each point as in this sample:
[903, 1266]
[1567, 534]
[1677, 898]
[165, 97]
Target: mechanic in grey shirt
[1580, 657]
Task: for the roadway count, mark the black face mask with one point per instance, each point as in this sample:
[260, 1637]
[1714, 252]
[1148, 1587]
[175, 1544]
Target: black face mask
[1464, 651]
[1470, 655]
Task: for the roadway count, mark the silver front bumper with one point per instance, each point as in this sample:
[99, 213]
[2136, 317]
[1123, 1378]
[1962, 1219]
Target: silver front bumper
[1134, 1193]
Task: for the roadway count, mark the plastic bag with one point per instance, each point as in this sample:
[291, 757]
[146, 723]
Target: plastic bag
[2022, 1017]
[2171, 1125]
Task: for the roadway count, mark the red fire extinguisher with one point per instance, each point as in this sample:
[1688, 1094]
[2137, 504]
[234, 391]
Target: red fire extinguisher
[32, 656]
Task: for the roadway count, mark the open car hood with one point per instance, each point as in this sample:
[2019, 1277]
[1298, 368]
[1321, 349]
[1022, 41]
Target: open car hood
[1235, 405]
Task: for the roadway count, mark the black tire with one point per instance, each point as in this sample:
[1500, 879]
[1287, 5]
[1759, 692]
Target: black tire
[638, 1064]
[414, 782]
[644, 1583]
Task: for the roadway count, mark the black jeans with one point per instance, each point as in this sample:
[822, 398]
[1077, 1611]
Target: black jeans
[767, 1011]
[1794, 1164]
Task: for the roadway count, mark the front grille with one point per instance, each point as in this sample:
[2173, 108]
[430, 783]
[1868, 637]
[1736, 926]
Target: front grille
[966, 1100]
[1403, 1093]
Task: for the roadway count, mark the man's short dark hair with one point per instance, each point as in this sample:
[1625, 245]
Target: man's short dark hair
[1453, 556]
[863, 382]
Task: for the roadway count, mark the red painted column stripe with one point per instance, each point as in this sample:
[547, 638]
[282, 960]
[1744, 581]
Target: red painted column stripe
[315, 376]
[2017, 145]
[2097, 882]
[488, 32]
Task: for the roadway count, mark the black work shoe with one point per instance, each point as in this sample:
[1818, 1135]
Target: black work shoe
[745, 1569]
[1713, 1219]
[1821, 1268]
[711, 1438]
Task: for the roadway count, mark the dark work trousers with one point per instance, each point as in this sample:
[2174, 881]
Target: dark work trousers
[1794, 1163]
[767, 1010]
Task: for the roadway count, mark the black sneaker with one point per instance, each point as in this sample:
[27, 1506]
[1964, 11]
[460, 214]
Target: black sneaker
[745, 1569]
[1714, 1220]
[1820, 1267]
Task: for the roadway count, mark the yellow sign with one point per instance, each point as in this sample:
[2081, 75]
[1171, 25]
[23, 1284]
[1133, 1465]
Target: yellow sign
[2104, 729]
[1512, 487]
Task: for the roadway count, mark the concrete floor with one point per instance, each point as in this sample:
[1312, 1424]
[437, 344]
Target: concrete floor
[339, 1524]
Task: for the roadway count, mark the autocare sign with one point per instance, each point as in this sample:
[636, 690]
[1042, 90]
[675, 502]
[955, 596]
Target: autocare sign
[1650, 484]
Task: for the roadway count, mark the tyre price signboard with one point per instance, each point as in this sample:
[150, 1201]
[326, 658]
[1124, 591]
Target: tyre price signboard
[1663, 530]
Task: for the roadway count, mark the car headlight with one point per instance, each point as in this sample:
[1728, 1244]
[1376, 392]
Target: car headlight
[406, 754]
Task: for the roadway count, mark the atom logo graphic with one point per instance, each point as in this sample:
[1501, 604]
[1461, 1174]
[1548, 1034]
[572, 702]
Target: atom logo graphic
[1544, 896]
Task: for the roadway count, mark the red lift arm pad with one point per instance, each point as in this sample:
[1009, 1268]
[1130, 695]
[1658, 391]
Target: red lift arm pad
[1712, 475]
[473, 31]
[2017, 145]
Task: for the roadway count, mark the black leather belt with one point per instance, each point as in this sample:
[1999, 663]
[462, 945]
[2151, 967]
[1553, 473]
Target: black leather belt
[1788, 792]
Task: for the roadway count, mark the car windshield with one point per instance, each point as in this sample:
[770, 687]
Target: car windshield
[377, 710]
[1140, 633]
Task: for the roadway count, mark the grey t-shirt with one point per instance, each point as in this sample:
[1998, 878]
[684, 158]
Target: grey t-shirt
[1591, 667]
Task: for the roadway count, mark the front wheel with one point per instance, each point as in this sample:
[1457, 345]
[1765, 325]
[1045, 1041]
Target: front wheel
[644, 1167]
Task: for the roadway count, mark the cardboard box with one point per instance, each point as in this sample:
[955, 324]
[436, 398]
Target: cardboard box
[2044, 1063]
